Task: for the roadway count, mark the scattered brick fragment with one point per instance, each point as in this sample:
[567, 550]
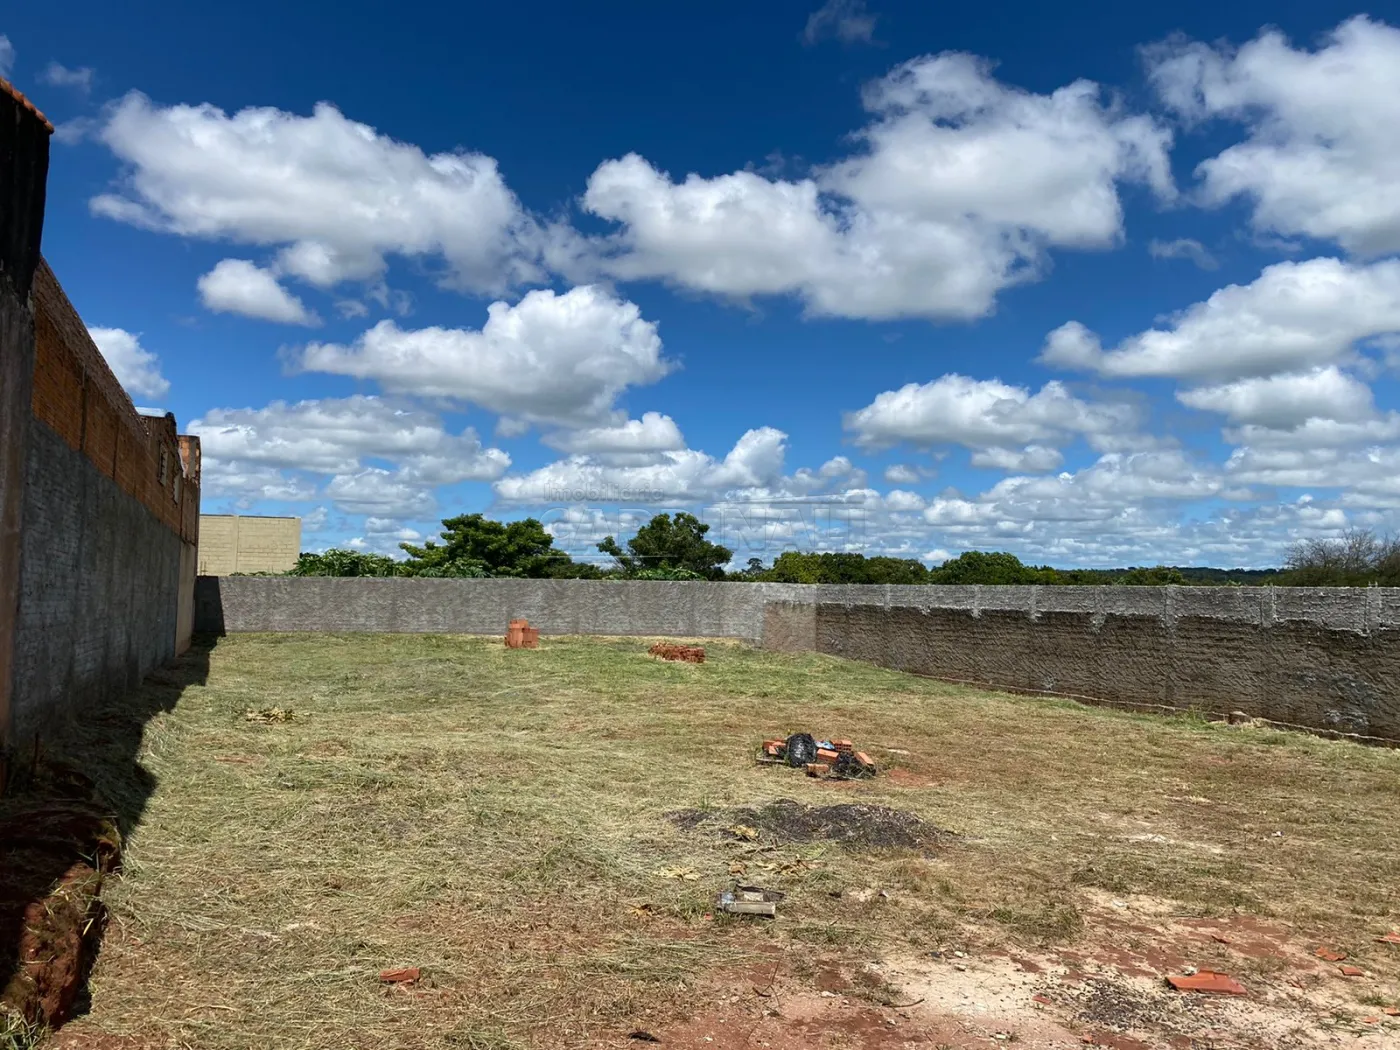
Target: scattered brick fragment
[1393, 937]
[1043, 1000]
[690, 654]
[1221, 938]
[1391, 1011]
[1352, 971]
[1206, 981]
[1330, 954]
[403, 975]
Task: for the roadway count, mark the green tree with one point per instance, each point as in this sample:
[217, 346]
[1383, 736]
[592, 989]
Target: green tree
[474, 545]
[1157, 576]
[840, 567]
[340, 562]
[995, 567]
[670, 543]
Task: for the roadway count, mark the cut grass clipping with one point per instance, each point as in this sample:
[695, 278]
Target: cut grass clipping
[504, 820]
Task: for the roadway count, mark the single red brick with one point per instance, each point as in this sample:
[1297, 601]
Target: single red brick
[843, 745]
[404, 975]
[1330, 954]
[865, 759]
[1206, 981]
[1352, 971]
[817, 769]
[829, 756]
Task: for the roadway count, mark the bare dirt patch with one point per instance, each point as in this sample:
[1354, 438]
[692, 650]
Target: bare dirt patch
[55, 851]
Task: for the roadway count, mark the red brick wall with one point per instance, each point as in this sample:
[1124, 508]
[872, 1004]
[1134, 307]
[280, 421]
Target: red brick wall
[76, 395]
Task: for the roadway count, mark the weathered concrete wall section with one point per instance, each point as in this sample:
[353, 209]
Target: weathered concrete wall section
[265, 603]
[100, 577]
[1322, 658]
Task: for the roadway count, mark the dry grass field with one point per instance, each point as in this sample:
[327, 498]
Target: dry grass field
[505, 820]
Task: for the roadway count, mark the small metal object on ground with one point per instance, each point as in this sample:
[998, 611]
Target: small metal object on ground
[750, 900]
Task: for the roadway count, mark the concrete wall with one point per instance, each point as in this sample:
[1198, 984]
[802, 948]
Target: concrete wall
[270, 603]
[99, 589]
[1326, 658]
[230, 543]
[24, 165]
[1322, 658]
[110, 515]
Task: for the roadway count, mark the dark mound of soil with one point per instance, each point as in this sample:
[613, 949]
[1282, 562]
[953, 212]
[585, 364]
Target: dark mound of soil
[850, 824]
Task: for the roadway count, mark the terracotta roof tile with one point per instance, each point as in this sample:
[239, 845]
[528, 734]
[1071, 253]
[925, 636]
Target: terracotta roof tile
[14, 92]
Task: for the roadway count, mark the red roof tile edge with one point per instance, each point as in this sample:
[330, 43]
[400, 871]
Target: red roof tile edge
[18, 96]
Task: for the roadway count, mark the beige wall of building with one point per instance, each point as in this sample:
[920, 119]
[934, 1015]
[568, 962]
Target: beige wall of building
[230, 543]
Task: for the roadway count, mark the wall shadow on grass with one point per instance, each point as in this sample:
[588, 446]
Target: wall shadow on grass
[70, 805]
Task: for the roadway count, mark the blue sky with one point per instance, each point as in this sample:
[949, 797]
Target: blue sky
[1096, 285]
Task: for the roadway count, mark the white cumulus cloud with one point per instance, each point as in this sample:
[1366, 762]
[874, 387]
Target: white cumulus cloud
[1287, 399]
[1296, 315]
[989, 414]
[1320, 156]
[237, 286]
[551, 358]
[652, 433]
[685, 475]
[335, 195]
[136, 368]
[961, 186]
[249, 451]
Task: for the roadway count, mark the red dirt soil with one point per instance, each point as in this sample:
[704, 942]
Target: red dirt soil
[53, 858]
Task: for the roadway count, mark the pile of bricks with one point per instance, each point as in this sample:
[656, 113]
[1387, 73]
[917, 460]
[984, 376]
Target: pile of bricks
[691, 654]
[834, 758]
[520, 635]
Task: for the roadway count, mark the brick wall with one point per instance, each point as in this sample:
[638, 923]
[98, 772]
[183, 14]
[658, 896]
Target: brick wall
[78, 398]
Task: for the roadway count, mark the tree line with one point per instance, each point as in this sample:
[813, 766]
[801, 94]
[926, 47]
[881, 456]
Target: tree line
[676, 547]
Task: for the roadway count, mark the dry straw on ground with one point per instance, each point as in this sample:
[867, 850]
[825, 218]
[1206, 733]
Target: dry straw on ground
[499, 818]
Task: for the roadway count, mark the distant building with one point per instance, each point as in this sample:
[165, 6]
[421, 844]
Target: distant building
[230, 543]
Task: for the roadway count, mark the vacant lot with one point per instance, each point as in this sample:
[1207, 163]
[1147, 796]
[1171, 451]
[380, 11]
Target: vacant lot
[511, 822]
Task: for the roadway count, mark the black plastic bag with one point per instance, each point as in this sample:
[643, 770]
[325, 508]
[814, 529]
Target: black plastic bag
[801, 749]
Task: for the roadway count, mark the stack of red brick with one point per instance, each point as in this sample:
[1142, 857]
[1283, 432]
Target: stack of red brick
[838, 757]
[691, 654]
[520, 635]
